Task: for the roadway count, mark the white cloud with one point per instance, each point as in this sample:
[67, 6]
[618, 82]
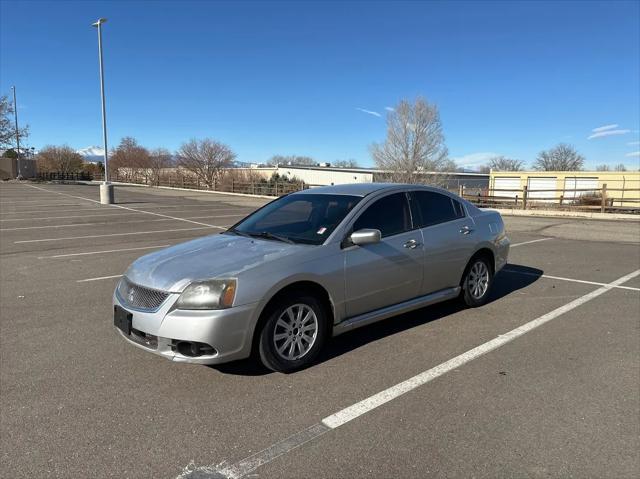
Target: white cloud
[369, 112]
[633, 143]
[604, 128]
[604, 133]
[633, 154]
[474, 159]
[388, 108]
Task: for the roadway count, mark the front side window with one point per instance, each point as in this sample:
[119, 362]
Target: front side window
[390, 215]
[436, 208]
[299, 218]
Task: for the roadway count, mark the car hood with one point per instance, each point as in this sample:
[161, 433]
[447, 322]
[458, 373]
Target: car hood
[173, 268]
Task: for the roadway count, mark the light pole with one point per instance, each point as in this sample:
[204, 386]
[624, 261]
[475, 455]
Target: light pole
[106, 188]
[15, 118]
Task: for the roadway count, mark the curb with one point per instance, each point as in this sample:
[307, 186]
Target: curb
[119, 183]
[567, 214]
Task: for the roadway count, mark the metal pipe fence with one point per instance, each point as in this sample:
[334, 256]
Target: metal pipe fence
[261, 187]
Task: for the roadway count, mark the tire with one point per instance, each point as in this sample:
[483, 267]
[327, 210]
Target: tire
[294, 334]
[477, 282]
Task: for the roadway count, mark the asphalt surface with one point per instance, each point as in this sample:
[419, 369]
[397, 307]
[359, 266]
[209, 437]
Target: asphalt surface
[562, 400]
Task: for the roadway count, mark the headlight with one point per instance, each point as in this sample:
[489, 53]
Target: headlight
[210, 294]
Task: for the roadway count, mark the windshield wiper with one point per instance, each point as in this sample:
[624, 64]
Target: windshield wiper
[237, 232]
[266, 234]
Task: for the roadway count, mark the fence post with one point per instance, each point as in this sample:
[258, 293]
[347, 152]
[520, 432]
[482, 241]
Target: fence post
[460, 190]
[524, 197]
[604, 197]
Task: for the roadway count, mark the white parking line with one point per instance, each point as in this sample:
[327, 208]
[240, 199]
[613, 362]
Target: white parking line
[98, 279]
[529, 242]
[103, 251]
[79, 208]
[572, 280]
[115, 234]
[248, 465]
[217, 216]
[75, 225]
[65, 217]
[130, 209]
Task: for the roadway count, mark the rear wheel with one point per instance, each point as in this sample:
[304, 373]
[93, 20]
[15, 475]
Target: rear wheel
[477, 282]
[293, 334]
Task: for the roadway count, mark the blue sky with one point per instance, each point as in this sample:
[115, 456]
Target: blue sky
[268, 78]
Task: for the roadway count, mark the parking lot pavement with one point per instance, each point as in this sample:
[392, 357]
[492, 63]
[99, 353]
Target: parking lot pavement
[559, 399]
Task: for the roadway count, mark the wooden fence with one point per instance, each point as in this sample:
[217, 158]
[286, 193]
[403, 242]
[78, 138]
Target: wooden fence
[619, 200]
[614, 200]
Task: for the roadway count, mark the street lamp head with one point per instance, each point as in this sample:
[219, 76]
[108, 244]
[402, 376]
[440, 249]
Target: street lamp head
[99, 22]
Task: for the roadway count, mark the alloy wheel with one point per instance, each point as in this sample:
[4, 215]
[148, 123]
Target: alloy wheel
[478, 282]
[295, 332]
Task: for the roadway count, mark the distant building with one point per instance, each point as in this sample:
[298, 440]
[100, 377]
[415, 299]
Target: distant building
[328, 175]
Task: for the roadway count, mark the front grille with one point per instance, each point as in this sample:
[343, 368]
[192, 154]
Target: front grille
[139, 297]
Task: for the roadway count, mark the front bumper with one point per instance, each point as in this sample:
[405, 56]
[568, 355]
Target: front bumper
[228, 331]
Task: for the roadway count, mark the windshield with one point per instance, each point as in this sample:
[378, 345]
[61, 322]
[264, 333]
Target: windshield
[300, 218]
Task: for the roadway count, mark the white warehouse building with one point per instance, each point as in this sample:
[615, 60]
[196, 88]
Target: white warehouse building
[327, 175]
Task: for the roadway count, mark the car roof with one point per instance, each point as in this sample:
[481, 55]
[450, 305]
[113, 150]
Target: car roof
[362, 189]
[355, 189]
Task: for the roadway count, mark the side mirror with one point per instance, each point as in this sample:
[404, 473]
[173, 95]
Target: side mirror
[365, 236]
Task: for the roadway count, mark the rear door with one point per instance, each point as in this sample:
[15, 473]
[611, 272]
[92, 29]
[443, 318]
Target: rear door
[389, 272]
[449, 238]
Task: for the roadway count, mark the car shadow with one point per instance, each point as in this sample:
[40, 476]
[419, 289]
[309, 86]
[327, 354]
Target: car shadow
[512, 278]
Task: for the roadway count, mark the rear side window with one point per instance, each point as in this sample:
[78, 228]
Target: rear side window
[457, 208]
[390, 215]
[436, 208]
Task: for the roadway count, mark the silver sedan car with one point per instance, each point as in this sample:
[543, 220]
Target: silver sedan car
[308, 266]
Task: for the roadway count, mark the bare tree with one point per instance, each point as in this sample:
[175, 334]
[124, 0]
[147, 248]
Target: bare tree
[414, 142]
[7, 125]
[133, 158]
[350, 163]
[603, 167]
[159, 159]
[59, 159]
[560, 158]
[291, 160]
[502, 163]
[620, 167]
[206, 159]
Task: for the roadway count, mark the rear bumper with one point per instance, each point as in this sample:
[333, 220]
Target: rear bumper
[228, 331]
[502, 252]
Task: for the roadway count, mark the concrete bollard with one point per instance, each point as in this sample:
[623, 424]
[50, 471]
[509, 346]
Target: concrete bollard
[106, 194]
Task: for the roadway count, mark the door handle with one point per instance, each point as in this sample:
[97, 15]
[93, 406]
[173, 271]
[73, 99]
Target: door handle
[465, 230]
[411, 244]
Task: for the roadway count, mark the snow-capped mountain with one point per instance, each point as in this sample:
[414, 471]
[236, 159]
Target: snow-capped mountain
[92, 154]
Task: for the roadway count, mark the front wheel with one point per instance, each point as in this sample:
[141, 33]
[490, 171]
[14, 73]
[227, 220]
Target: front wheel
[477, 282]
[293, 334]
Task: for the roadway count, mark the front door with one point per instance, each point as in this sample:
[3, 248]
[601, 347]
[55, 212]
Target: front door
[388, 272]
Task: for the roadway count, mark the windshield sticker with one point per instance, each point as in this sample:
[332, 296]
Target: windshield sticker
[322, 230]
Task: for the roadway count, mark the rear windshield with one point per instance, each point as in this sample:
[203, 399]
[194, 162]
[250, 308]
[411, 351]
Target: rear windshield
[300, 218]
